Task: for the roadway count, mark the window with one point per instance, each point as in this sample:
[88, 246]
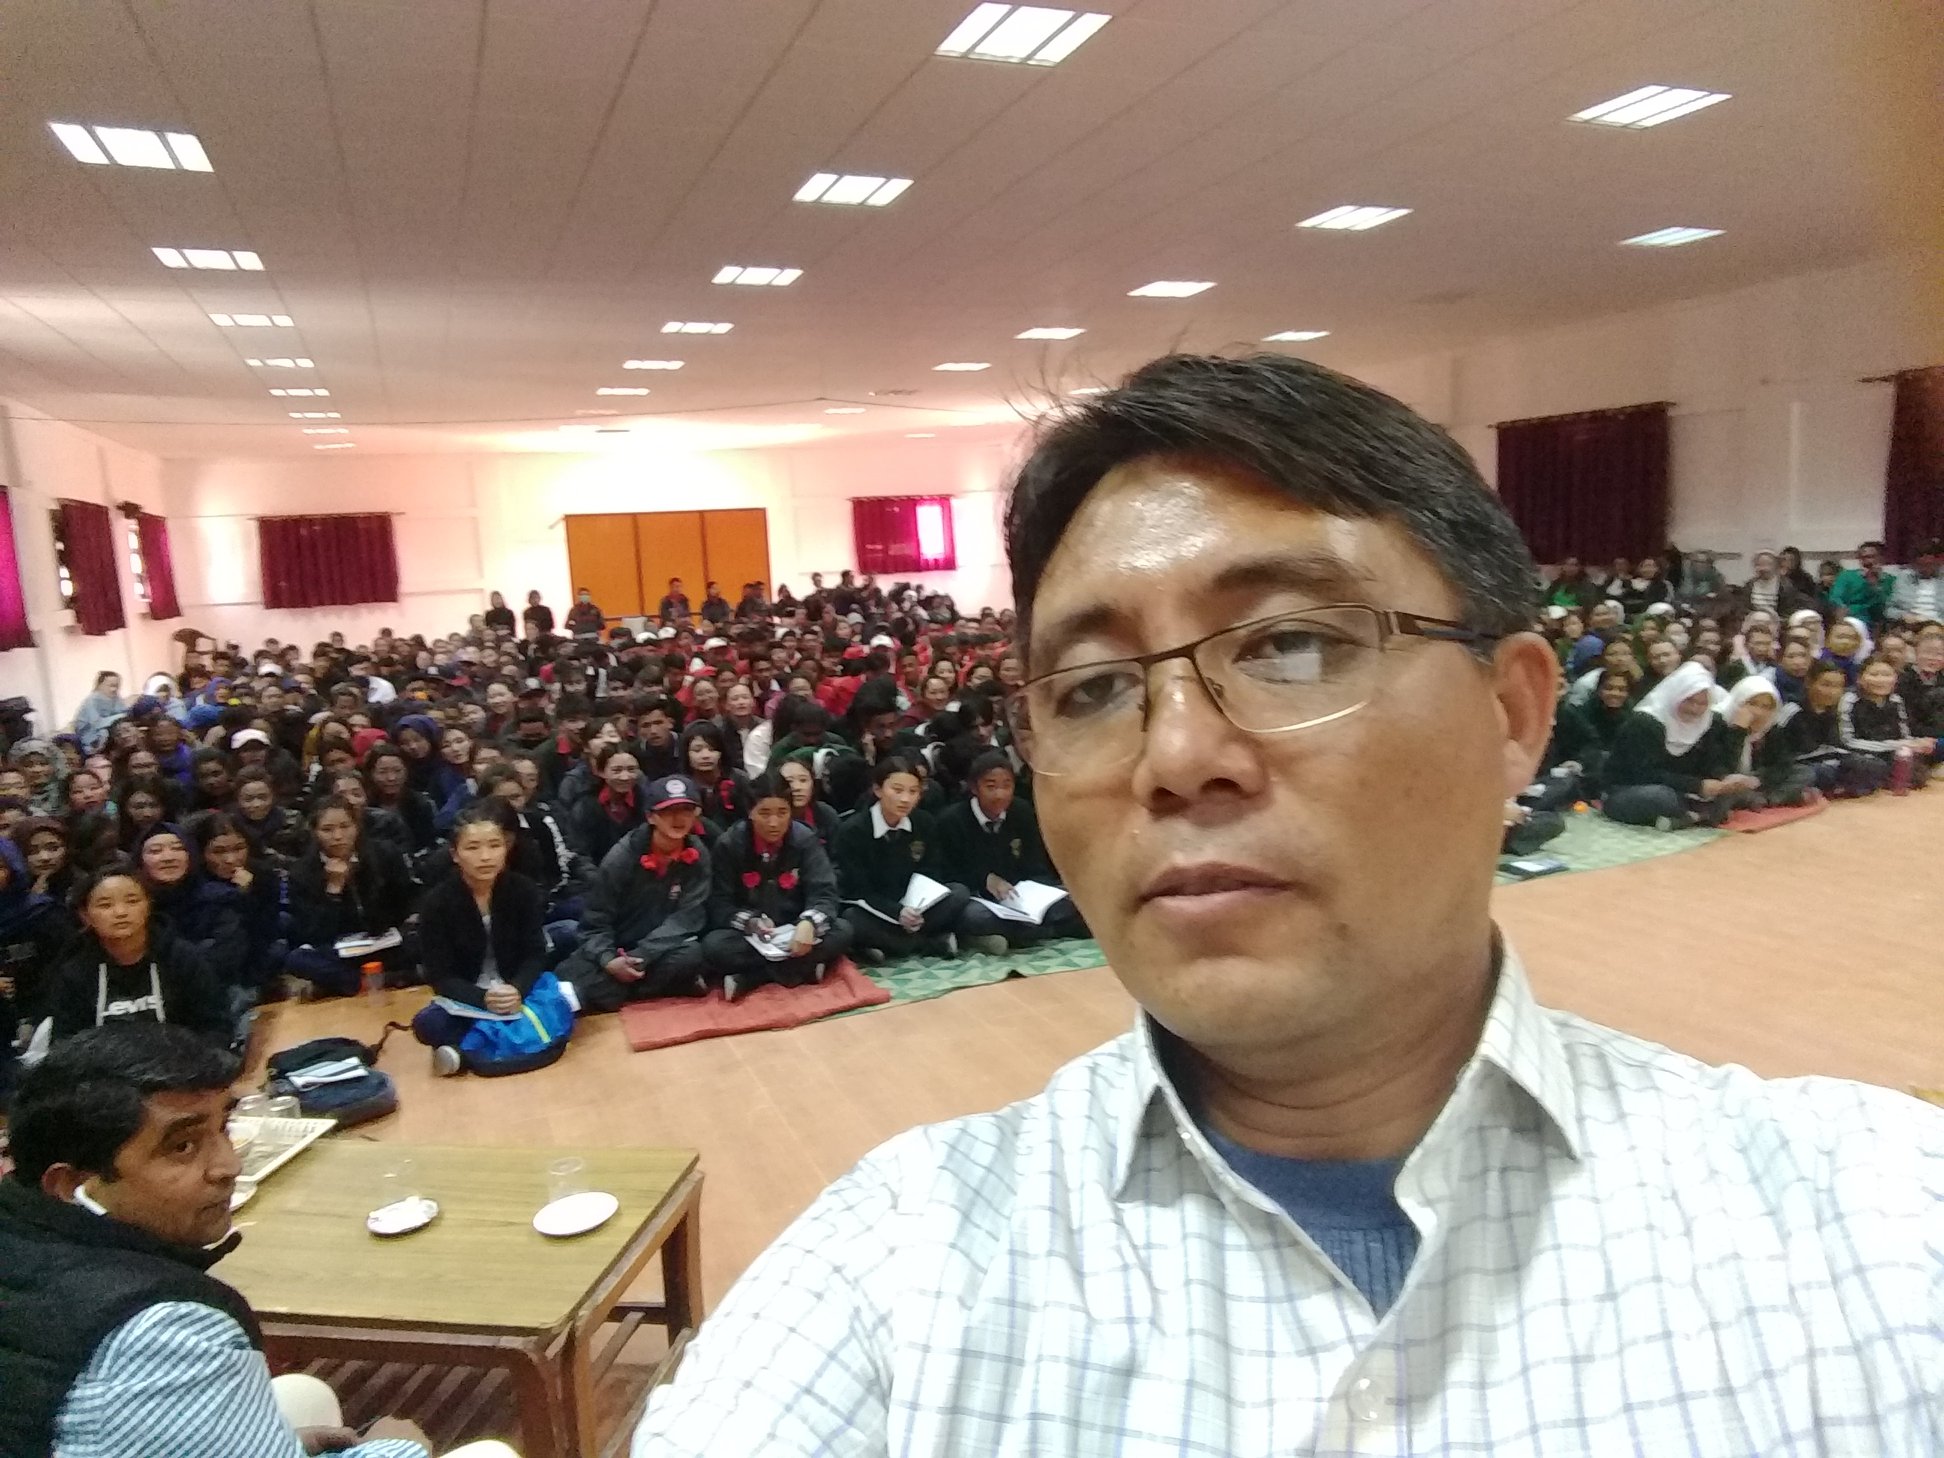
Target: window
[903, 534]
[63, 571]
[135, 558]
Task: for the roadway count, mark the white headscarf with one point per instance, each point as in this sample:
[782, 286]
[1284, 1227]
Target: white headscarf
[1752, 687]
[1666, 697]
[1812, 620]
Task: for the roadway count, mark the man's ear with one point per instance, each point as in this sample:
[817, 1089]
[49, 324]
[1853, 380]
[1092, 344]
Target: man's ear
[61, 1181]
[1526, 681]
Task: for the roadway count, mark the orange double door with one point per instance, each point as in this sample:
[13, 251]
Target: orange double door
[625, 559]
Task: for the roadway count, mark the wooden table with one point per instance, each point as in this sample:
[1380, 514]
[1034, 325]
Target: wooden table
[478, 1287]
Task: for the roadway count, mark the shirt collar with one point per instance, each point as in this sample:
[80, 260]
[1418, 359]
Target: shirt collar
[984, 820]
[879, 829]
[1519, 1043]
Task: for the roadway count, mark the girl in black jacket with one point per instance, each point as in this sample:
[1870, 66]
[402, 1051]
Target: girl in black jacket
[276, 834]
[723, 790]
[347, 887]
[771, 873]
[806, 806]
[598, 820]
[123, 966]
[203, 916]
[229, 860]
[34, 931]
[388, 783]
[483, 931]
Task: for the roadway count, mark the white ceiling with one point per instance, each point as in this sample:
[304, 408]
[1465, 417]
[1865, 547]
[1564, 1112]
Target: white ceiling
[476, 209]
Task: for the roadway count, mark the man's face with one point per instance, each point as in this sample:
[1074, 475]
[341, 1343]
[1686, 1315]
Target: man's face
[674, 824]
[657, 729]
[499, 699]
[995, 792]
[212, 778]
[1246, 887]
[1869, 556]
[1663, 658]
[174, 1177]
[1795, 658]
[1764, 565]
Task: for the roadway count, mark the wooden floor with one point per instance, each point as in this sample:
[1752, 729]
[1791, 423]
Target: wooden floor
[1814, 948]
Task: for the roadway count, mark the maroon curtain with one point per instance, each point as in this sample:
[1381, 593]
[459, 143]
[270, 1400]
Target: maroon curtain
[1592, 486]
[327, 561]
[1913, 485]
[895, 534]
[13, 601]
[89, 531]
[158, 566]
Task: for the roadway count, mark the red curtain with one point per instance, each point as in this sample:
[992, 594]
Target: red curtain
[89, 531]
[1913, 485]
[895, 534]
[13, 601]
[158, 566]
[327, 561]
[1592, 486]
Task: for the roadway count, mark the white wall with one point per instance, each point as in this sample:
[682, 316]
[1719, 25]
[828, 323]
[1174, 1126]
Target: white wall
[467, 524]
[41, 462]
[1775, 440]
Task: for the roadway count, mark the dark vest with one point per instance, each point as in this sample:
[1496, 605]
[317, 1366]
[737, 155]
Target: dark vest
[69, 1277]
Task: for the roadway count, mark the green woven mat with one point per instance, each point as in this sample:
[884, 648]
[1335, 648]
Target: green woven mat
[913, 979]
[1591, 842]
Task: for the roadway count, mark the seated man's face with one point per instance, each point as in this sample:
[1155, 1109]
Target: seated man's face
[174, 1177]
[1256, 891]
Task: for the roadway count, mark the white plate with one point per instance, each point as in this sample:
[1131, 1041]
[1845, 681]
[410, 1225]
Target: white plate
[576, 1214]
[244, 1192]
[403, 1216]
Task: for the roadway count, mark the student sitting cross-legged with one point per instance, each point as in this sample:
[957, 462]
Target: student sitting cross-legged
[772, 881]
[878, 852]
[482, 933]
[646, 909]
[990, 842]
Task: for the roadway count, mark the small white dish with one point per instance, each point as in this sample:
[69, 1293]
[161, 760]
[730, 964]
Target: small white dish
[576, 1214]
[403, 1216]
[242, 1194]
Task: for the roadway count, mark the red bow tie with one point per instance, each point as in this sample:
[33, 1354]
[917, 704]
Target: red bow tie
[656, 865]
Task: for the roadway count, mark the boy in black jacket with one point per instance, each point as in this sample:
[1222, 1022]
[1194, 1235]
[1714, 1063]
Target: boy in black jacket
[877, 852]
[642, 924]
[991, 841]
[770, 874]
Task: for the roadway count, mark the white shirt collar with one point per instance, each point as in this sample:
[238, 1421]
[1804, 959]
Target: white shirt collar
[1519, 1044]
[879, 829]
[984, 820]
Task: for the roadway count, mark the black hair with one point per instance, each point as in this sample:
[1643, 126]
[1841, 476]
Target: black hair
[211, 825]
[106, 869]
[896, 764]
[486, 810]
[331, 802]
[83, 1102]
[495, 775]
[707, 731]
[605, 752]
[1822, 666]
[1328, 442]
[770, 785]
[985, 763]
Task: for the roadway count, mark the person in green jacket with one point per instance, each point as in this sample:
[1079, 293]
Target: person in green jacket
[1864, 590]
[1674, 760]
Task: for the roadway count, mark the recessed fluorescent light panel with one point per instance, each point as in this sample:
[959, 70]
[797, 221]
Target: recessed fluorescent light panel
[315, 415]
[132, 147]
[695, 326]
[222, 259]
[922, 435]
[252, 321]
[1649, 106]
[326, 430]
[848, 190]
[651, 364]
[622, 390]
[1036, 35]
[1050, 334]
[776, 278]
[963, 366]
[845, 410]
[1353, 219]
[1171, 288]
[300, 392]
[299, 363]
[1671, 237]
[1295, 336]
[336, 445]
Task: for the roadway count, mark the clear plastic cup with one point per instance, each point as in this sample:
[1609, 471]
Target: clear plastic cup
[566, 1176]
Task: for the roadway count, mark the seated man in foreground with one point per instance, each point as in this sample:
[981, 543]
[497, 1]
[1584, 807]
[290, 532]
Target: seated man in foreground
[115, 1342]
[1345, 1187]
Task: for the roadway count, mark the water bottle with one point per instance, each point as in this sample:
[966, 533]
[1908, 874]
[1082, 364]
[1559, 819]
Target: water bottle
[1900, 770]
[371, 981]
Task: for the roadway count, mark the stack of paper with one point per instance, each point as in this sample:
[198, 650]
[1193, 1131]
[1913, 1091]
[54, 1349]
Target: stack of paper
[921, 895]
[1029, 901]
[342, 1070]
[364, 946]
[775, 946]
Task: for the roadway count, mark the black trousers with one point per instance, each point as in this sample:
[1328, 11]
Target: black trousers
[675, 973]
[893, 940]
[730, 955]
[1062, 919]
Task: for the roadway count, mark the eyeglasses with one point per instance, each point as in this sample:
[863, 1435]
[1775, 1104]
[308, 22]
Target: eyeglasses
[1270, 676]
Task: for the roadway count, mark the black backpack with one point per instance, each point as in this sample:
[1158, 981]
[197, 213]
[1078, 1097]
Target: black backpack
[353, 1101]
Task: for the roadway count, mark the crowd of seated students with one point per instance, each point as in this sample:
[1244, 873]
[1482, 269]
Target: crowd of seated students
[721, 804]
[1684, 699]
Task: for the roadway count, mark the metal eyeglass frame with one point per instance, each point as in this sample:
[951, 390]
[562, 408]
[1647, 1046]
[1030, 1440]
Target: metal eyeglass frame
[1391, 623]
